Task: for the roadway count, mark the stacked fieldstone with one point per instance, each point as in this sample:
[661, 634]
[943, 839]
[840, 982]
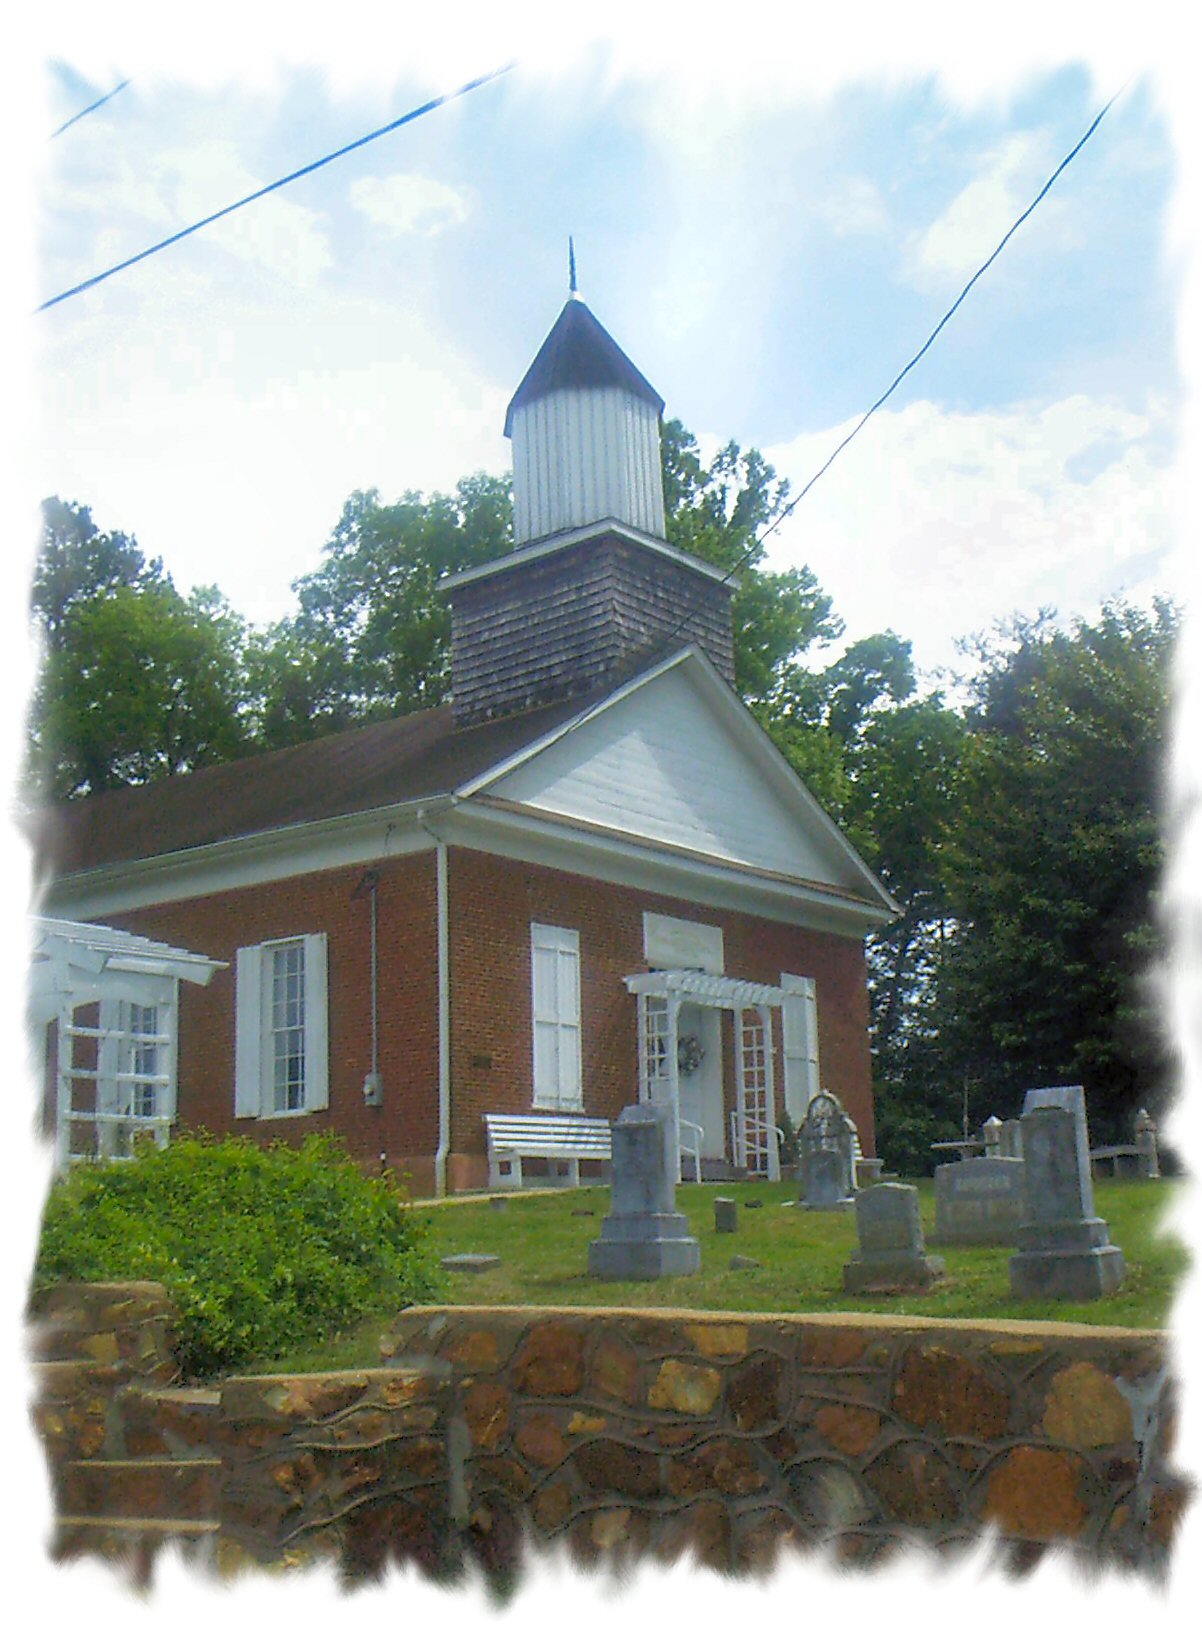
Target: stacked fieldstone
[354, 1465]
[624, 1433]
[619, 1433]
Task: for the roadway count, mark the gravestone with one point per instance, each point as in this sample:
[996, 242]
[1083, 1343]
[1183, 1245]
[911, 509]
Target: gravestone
[471, 1261]
[891, 1254]
[1011, 1146]
[1146, 1144]
[978, 1201]
[827, 1156]
[726, 1215]
[644, 1236]
[992, 1133]
[1071, 1098]
[1064, 1249]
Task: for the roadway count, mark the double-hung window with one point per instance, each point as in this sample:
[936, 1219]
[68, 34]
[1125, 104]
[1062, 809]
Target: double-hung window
[282, 1055]
[555, 1005]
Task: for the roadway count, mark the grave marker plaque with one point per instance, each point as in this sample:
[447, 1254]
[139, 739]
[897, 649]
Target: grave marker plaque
[978, 1202]
[891, 1254]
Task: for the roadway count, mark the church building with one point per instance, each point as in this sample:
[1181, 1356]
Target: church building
[586, 879]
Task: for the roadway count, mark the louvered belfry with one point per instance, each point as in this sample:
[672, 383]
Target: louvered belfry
[592, 588]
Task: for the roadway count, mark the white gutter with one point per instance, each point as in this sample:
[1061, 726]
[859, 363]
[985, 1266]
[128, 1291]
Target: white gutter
[444, 1011]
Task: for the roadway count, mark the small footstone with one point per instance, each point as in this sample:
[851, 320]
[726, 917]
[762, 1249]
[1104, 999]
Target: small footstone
[753, 1205]
[583, 1210]
[497, 1204]
[471, 1262]
[740, 1263]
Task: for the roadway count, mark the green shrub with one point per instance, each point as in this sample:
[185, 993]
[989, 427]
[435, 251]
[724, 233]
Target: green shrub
[261, 1248]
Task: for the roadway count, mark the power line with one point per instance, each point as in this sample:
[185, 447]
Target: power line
[305, 170]
[90, 109]
[591, 710]
[901, 375]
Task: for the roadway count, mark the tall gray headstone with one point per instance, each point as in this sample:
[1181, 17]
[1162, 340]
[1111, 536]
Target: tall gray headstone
[978, 1201]
[891, 1253]
[1071, 1098]
[644, 1236]
[1064, 1248]
[992, 1133]
[826, 1164]
[1146, 1144]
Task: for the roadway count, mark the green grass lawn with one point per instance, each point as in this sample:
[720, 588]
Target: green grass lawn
[542, 1240]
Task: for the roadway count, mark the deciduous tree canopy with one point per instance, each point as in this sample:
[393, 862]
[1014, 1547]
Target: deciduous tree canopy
[1018, 830]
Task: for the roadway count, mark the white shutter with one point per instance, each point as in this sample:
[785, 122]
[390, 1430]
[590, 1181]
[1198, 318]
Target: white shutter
[799, 1027]
[555, 1012]
[248, 1032]
[317, 1028]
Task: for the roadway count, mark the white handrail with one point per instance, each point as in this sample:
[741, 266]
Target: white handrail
[695, 1151]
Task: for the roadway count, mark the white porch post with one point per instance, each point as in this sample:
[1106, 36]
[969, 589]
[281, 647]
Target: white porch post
[62, 1125]
[740, 1154]
[765, 1016]
[674, 1077]
[644, 1075]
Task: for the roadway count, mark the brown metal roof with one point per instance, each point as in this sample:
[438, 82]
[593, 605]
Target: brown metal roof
[406, 758]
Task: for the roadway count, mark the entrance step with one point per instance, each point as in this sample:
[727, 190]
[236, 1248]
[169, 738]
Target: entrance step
[153, 1487]
[715, 1170]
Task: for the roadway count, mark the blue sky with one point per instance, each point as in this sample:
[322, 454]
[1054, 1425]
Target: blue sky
[769, 249]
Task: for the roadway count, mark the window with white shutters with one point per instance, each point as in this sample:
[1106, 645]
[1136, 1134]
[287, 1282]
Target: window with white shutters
[281, 1059]
[555, 1007]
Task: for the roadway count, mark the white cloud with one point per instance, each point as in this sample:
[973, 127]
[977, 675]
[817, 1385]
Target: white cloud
[958, 241]
[967, 518]
[405, 203]
[853, 205]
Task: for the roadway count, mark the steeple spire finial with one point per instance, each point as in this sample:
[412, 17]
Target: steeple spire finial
[571, 266]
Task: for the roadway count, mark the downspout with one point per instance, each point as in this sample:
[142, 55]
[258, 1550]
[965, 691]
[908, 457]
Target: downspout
[444, 1010]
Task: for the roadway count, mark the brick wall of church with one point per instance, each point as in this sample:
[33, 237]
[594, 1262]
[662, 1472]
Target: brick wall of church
[494, 900]
[492, 903]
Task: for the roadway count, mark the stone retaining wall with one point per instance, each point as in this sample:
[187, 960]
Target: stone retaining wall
[623, 1432]
[738, 1435]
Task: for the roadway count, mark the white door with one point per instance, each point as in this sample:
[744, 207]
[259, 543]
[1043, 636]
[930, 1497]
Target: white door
[700, 1029]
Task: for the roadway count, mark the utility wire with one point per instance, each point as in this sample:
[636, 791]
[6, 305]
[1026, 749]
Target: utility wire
[305, 170]
[90, 109]
[901, 375]
[664, 647]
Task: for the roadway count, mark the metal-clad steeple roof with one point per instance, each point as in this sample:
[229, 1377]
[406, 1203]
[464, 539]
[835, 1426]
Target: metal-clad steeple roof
[579, 352]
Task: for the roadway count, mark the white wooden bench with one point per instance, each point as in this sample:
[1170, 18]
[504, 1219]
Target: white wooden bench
[561, 1139]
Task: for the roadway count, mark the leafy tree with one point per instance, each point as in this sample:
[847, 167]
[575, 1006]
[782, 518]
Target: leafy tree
[1052, 867]
[142, 683]
[717, 512]
[372, 634]
[76, 563]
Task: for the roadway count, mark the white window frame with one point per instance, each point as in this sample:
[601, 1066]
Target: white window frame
[254, 1056]
[555, 1020]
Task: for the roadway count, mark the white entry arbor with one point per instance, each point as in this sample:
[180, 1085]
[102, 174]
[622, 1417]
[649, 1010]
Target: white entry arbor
[115, 1076]
[755, 1137]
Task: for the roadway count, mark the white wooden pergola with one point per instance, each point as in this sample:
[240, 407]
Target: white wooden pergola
[115, 1078]
[754, 1134]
